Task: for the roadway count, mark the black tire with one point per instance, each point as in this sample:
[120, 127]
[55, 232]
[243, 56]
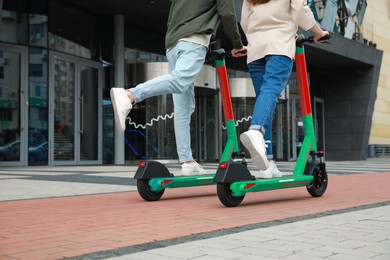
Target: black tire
[145, 192]
[320, 182]
[226, 197]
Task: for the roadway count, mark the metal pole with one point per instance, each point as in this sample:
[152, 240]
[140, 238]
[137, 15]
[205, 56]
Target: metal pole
[119, 81]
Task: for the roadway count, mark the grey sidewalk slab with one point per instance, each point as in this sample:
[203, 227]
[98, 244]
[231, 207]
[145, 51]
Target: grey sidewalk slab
[57, 181]
[362, 234]
[357, 233]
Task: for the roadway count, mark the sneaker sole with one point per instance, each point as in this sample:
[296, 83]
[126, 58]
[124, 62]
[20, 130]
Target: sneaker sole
[193, 173]
[257, 157]
[114, 97]
[267, 176]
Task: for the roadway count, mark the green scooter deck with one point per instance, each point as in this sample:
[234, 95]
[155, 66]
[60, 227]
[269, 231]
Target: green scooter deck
[242, 187]
[158, 184]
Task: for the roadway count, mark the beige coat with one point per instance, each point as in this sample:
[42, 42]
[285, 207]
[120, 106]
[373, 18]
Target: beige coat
[271, 28]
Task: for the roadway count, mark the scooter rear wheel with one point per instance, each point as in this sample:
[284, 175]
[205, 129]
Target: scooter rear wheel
[145, 192]
[226, 197]
[320, 182]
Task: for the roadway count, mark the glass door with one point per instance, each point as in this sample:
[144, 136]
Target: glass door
[281, 132]
[204, 125]
[296, 133]
[75, 97]
[89, 117]
[13, 105]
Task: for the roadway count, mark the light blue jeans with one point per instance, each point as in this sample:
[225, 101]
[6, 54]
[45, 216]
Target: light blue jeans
[185, 60]
[269, 77]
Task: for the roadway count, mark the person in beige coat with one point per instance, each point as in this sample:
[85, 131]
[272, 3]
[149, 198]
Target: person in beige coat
[271, 28]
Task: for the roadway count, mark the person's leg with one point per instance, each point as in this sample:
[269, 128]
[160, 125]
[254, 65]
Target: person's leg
[274, 79]
[253, 139]
[277, 72]
[189, 58]
[184, 106]
[184, 103]
[178, 81]
[268, 139]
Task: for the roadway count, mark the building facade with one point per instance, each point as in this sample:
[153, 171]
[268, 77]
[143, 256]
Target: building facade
[376, 29]
[59, 59]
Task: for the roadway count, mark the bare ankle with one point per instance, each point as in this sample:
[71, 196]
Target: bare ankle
[188, 162]
[130, 96]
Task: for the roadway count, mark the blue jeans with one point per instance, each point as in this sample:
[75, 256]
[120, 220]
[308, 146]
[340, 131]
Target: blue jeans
[185, 59]
[269, 77]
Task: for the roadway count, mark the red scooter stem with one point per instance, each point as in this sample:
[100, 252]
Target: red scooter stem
[225, 92]
[303, 84]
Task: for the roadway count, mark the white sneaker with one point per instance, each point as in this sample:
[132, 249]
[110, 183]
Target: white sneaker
[253, 141]
[271, 172]
[190, 169]
[122, 106]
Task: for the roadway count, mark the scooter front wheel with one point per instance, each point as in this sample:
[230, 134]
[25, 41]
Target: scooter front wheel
[146, 193]
[226, 197]
[320, 181]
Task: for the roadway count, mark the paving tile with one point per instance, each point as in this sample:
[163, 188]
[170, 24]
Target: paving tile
[58, 225]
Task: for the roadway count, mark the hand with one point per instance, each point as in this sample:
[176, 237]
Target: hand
[319, 35]
[239, 52]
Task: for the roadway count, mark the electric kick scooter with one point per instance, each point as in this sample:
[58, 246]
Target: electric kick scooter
[153, 177]
[234, 179]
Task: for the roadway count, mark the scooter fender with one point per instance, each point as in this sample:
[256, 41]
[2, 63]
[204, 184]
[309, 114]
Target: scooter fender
[151, 169]
[229, 172]
[309, 169]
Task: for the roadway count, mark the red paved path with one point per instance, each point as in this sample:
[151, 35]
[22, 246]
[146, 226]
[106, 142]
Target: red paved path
[71, 226]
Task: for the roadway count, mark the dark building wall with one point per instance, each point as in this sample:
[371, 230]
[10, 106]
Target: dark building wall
[345, 74]
[144, 40]
[349, 104]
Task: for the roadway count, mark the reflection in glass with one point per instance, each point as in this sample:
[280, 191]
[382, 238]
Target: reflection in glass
[151, 134]
[38, 94]
[64, 87]
[38, 30]
[108, 132]
[204, 125]
[63, 45]
[242, 109]
[89, 113]
[72, 30]
[9, 106]
[13, 23]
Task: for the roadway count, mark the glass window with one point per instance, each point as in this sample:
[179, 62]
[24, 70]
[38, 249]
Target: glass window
[76, 36]
[10, 106]
[36, 70]
[13, 21]
[38, 30]
[38, 95]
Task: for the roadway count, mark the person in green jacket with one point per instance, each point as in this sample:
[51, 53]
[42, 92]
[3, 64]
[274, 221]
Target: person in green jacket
[191, 24]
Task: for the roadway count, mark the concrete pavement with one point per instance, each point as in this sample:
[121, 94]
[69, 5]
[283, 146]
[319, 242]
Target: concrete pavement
[95, 212]
[360, 233]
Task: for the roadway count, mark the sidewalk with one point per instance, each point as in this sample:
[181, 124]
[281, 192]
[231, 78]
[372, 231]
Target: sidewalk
[360, 234]
[95, 212]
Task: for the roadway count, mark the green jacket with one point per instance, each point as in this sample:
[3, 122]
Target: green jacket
[187, 17]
